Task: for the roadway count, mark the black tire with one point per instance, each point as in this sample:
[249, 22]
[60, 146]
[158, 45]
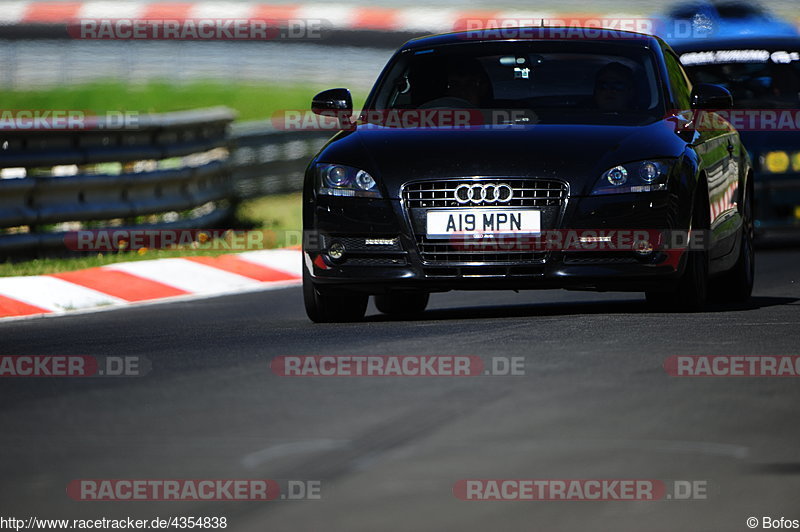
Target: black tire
[691, 291]
[323, 306]
[736, 285]
[402, 304]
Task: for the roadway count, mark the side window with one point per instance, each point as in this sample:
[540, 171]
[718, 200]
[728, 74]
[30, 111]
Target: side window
[680, 84]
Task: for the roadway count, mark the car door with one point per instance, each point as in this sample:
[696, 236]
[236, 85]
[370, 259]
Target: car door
[718, 149]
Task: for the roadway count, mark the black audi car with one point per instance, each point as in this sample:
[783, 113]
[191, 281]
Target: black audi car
[545, 145]
[763, 75]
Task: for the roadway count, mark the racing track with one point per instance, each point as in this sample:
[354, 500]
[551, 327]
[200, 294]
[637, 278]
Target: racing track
[595, 403]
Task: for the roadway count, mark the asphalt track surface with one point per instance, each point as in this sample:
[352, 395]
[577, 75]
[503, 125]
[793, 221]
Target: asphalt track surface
[595, 402]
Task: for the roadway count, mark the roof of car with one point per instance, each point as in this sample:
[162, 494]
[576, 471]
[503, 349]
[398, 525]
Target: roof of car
[528, 33]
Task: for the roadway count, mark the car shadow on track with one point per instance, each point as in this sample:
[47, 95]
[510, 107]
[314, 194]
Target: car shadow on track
[573, 309]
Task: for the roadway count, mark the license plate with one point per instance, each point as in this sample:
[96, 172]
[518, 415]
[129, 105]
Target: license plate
[481, 223]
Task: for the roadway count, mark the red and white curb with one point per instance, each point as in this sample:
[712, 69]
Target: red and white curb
[127, 283]
[336, 16]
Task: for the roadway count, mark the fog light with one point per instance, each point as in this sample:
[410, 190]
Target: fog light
[643, 248]
[336, 251]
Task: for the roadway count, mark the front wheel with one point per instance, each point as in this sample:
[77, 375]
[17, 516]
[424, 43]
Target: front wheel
[323, 306]
[691, 291]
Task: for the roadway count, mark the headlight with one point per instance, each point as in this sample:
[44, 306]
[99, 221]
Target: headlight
[340, 180]
[642, 176]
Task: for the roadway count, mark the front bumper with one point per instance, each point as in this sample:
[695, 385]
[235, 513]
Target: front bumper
[393, 261]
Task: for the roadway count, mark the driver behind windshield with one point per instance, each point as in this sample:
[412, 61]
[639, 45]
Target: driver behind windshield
[467, 86]
[613, 88]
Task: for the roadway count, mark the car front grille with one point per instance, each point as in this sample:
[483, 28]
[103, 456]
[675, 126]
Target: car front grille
[548, 195]
[471, 252]
[484, 271]
[526, 193]
[600, 257]
[393, 260]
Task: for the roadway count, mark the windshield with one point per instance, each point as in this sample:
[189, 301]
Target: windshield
[558, 82]
[756, 78]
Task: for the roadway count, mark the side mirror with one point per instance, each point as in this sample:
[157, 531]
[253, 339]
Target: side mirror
[336, 103]
[707, 96]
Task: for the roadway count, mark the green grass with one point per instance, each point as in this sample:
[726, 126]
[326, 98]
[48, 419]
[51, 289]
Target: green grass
[277, 217]
[251, 101]
[281, 214]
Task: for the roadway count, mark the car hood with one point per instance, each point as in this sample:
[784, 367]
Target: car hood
[577, 154]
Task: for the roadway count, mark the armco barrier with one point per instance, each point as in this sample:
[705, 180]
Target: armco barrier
[269, 161]
[188, 169]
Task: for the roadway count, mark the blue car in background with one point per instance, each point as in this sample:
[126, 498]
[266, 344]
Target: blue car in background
[690, 21]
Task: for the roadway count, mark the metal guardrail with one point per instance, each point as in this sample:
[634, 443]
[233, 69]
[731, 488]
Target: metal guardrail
[189, 169]
[268, 161]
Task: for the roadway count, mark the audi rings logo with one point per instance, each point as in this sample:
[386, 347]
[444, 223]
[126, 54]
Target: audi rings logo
[483, 193]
